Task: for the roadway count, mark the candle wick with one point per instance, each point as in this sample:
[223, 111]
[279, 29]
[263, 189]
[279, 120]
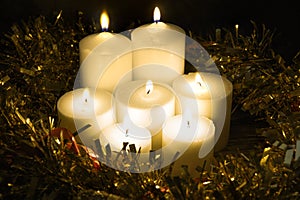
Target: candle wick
[85, 100]
[199, 84]
[188, 124]
[148, 92]
[126, 132]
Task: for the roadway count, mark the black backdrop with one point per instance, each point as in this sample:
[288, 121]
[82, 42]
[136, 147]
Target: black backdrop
[197, 15]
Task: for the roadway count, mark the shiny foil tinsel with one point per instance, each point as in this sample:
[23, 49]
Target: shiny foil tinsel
[39, 62]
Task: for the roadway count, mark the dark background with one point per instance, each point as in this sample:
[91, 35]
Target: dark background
[199, 16]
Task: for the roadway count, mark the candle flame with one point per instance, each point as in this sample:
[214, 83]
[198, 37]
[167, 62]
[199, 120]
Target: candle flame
[236, 26]
[149, 87]
[199, 80]
[104, 20]
[156, 14]
[85, 95]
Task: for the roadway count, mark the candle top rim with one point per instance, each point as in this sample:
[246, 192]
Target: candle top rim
[134, 95]
[97, 38]
[114, 136]
[133, 131]
[213, 82]
[181, 132]
[65, 103]
[155, 26]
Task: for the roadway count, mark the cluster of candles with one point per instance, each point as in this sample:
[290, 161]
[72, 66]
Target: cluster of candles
[134, 90]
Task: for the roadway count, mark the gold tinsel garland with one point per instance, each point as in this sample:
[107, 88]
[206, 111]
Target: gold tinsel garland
[39, 62]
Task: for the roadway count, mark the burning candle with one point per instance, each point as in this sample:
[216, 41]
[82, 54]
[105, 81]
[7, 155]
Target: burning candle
[84, 106]
[192, 138]
[126, 132]
[209, 95]
[147, 104]
[158, 51]
[103, 54]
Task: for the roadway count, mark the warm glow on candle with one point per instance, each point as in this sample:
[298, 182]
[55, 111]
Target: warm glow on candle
[126, 124]
[199, 80]
[149, 87]
[85, 95]
[104, 21]
[199, 86]
[156, 14]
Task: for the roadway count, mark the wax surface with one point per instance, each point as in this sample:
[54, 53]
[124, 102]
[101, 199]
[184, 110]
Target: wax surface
[146, 110]
[213, 86]
[76, 104]
[137, 97]
[106, 61]
[155, 46]
[77, 109]
[192, 138]
[116, 134]
[213, 99]
[88, 43]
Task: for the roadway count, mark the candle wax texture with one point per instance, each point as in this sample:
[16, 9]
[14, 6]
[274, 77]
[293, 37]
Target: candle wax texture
[158, 52]
[116, 134]
[88, 43]
[212, 98]
[191, 137]
[84, 106]
[144, 108]
[106, 60]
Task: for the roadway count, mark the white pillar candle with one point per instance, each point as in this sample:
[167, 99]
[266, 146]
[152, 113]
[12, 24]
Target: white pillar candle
[84, 106]
[209, 96]
[106, 59]
[147, 105]
[158, 51]
[116, 134]
[192, 138]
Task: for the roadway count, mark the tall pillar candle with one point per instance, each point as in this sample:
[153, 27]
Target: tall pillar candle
[106, 59]
[84, 106]
[146, 104]
[191, 138]
[158, 51]
[209, 95]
